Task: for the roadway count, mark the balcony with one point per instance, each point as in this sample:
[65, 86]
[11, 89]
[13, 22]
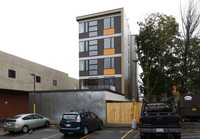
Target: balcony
[113, 88]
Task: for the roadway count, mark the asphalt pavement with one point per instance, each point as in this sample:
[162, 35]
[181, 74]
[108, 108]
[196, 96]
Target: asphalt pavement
[1, 123]
[105, 125]
[190, 130]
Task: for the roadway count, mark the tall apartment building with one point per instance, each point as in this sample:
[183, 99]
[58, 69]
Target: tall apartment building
[105, 51]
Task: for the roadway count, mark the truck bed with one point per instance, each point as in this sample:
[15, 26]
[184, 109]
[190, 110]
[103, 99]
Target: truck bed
[164, 119]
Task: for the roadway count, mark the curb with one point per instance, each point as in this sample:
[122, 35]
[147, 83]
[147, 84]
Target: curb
[104, 125]
[117, 125]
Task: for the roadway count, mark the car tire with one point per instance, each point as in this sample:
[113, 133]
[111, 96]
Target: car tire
[66, 134]
[46, 124]
[85, 130]
[25, 129]
[142, 136]
[177, 136]
[101, 126]
[11, 132]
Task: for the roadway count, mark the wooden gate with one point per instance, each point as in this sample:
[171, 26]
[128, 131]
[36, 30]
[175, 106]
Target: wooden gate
[122, 112]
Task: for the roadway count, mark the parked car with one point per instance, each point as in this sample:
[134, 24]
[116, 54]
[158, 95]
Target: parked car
[80, 122]
[25, 122]
[160, 118]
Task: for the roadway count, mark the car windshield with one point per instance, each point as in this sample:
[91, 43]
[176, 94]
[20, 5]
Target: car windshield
[70, 116]
[158, 108]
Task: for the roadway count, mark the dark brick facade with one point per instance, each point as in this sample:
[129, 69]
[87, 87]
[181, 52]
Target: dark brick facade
[100, 52]
[100, 25]
[100, 49]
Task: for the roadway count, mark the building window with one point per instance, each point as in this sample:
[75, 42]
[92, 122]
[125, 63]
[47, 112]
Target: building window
[54, 82]
[89, 83]
[92, 34]
[83, 27]
[83, 46]
[109, 63]
[93, 29]
[93, 67]
[83, 65]
[92, 23]
[38, 79]
[109, 23]
[93, 42]
[108, 43]
[11, 73]
[109, 81]
[93, 72]
[93, 48]
[92, 53]
[94, 61]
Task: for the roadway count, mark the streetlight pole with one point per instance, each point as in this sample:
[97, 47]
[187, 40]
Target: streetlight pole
[34, 93]
[135, 97]
[134, 121]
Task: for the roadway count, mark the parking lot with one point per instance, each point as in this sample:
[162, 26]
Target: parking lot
[190, 130]
[53, 133]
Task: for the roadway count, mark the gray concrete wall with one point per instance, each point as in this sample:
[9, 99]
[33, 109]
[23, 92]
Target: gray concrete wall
[53, 104]
[126, 55]
[24, 81]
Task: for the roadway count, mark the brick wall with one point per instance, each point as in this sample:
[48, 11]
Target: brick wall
[13, 103]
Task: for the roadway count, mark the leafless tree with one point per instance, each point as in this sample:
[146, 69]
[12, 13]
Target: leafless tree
[190, 16]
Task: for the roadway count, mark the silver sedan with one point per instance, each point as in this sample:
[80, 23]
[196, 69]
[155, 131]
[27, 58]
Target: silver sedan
[25, 122]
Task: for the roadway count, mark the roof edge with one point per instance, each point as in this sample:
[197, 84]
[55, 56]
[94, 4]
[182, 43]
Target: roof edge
[84, 17]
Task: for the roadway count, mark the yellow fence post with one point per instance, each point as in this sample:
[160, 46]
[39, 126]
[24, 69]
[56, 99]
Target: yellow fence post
[134, 117]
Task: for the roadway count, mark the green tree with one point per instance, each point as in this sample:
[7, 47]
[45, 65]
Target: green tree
[156, 44]
[193, 62]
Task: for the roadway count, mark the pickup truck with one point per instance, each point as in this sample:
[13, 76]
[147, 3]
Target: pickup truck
[160, 118]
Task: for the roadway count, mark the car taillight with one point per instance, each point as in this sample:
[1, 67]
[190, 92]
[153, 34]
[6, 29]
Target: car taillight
[78, 118]
[140, 122]
[179, 121]
[60, 118]
[16, 124]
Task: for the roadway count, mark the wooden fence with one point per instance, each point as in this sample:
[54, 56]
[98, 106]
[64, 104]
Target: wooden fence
[122, 112]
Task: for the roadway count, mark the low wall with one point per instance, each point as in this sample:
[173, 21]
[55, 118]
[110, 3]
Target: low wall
[53, 104]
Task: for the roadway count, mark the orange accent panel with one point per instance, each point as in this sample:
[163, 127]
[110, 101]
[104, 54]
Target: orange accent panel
[109, 71]
[109, 51]
[109, 31]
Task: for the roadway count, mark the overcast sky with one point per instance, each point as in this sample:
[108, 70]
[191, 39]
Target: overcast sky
[46, 31]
